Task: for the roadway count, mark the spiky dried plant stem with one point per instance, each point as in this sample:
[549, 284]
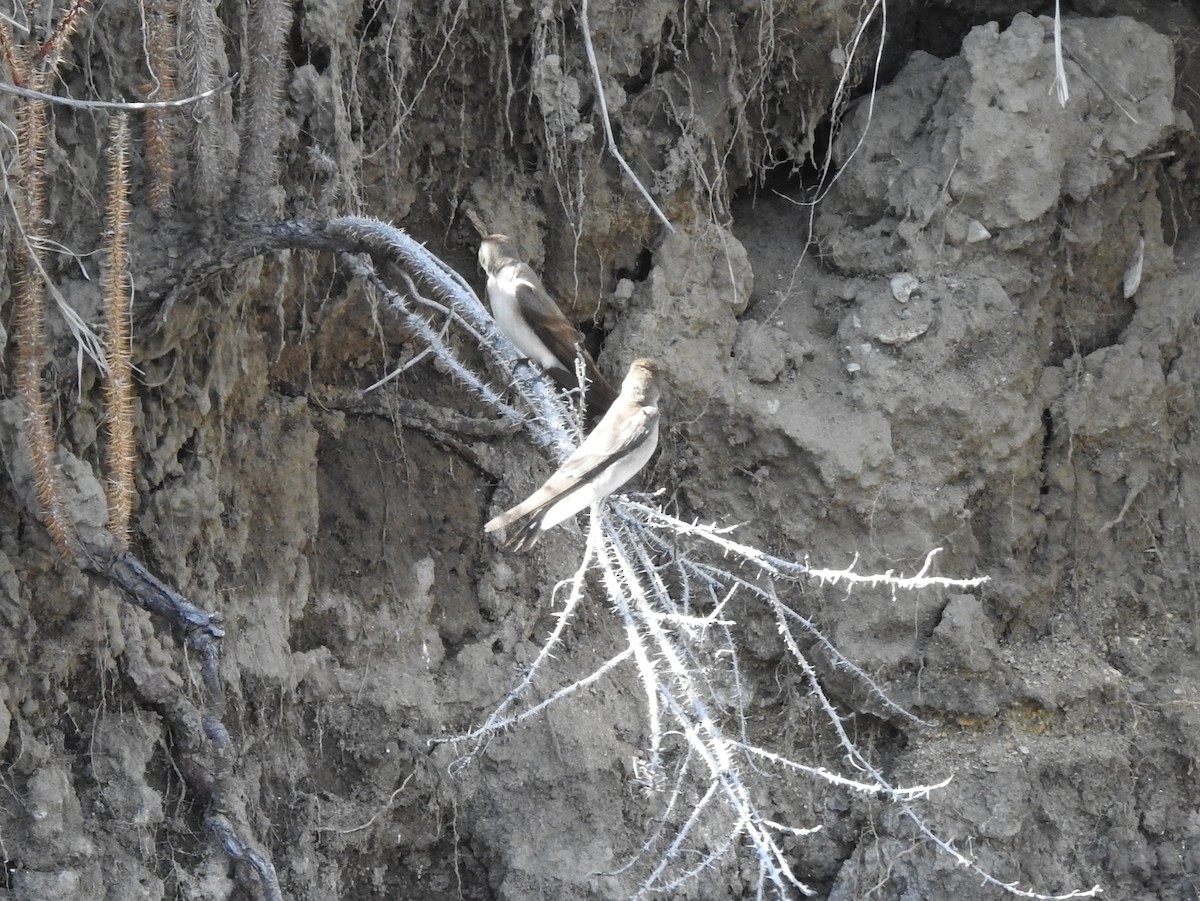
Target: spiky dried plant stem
[258, 167]
[50, 54]
[30, 306]
[160, 123]
[8, 53]
[118, 388]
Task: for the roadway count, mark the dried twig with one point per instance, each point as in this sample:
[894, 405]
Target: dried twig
[610, 139]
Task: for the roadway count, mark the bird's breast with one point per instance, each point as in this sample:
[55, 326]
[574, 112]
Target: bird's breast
[502, 295]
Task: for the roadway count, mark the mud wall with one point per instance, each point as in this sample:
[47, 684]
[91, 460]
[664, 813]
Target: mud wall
[936, 348]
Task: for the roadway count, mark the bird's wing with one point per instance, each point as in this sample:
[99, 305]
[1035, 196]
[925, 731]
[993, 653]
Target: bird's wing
[549, 323]
[602, 448]
[549, 327]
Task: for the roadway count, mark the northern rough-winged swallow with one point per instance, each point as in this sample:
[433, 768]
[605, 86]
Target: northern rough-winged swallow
[532, 321]
[610, 456]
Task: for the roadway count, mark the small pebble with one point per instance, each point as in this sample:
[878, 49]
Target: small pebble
[976, 232]
[904, 285]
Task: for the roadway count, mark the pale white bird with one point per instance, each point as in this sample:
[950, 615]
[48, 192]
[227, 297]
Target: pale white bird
[610, 456]
[530, 319]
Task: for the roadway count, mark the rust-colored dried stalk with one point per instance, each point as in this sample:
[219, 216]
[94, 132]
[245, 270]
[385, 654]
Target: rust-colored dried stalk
[30, 326]
[7, 52]
[118, 389]
[160, 123]
[29, 321]
[35, 69]
[50, 54]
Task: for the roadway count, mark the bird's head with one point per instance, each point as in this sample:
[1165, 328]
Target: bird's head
[495, 251]
[643, 381]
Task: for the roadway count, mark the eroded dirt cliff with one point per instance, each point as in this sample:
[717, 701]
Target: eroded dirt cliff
[942, 346]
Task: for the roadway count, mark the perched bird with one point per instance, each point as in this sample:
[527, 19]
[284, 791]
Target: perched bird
[532, 321]
[610, 456]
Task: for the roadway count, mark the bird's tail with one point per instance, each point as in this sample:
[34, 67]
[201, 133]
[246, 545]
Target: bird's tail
[526, 536]
[600, 392]
[527, 527]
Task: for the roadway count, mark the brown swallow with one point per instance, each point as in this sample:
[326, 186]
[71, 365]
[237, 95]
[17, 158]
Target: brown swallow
[610, 456]
[531, 320]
